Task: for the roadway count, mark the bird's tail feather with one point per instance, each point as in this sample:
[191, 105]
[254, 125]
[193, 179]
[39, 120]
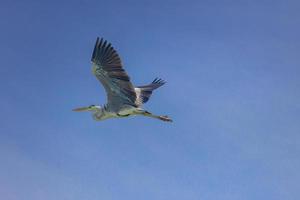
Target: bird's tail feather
[144, 92]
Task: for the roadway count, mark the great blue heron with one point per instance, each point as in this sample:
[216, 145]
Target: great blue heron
[123, 99]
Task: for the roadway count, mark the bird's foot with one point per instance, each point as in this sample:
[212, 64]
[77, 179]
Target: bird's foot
[165, 118]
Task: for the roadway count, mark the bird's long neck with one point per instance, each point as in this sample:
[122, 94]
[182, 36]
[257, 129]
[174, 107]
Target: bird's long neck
[97, 113]
[101, 113]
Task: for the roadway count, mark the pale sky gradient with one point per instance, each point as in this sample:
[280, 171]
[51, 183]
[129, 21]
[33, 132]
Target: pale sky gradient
[232, 70]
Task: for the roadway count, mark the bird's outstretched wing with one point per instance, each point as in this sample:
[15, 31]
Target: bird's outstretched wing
[107, 67]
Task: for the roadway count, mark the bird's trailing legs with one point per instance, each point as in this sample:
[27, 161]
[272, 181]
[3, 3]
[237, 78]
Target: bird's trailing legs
[160, 117]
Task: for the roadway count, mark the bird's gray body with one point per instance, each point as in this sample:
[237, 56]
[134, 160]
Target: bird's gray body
[123, 99]
[104, 112]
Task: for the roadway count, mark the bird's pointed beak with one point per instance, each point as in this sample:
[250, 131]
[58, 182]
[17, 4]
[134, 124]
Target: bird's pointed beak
[81, 109]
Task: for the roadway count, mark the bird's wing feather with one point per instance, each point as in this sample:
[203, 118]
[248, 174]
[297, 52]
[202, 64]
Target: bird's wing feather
[107, 67]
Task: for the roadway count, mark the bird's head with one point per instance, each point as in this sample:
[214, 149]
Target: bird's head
[98, 112]
[92, 108]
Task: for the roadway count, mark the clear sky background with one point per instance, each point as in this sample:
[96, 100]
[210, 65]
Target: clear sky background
[232, 69]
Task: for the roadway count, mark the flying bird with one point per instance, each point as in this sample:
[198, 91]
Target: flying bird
[123, 99]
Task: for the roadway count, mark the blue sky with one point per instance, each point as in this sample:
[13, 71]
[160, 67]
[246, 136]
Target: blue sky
[232, 69]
